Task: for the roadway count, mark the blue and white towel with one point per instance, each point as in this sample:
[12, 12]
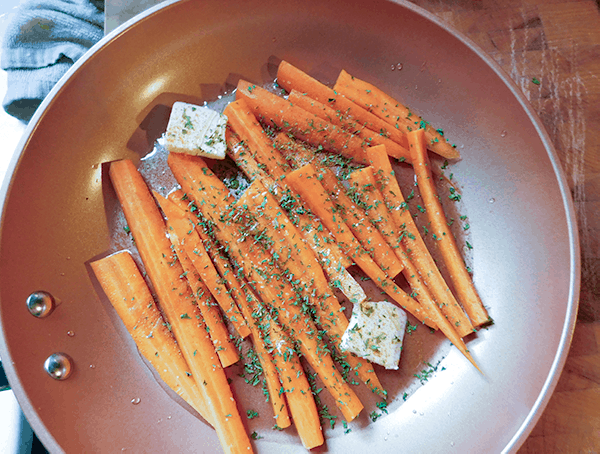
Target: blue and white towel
[43, 39]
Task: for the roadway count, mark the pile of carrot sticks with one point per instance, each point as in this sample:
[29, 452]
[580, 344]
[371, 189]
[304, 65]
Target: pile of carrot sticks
[266, 264]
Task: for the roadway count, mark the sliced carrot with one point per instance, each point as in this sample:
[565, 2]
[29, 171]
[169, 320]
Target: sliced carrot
[279, 112]
[188, 240]
[364, 183]
[176, 301]
[284, 242]
[183, 243]
[239, 150]
[244, 123]
[306, 182]
[411, 237]
[319, 238]
[244, 298]
[127, 291]
[211, 198]
[297, 389]
[327, 113]
[367, 234]
[463, 284]
[289, 77]
[392, 112]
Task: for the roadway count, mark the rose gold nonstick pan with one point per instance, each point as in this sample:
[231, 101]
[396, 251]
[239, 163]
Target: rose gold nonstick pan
[59, 211]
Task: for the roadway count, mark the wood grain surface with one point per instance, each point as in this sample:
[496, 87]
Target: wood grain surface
[557, 43]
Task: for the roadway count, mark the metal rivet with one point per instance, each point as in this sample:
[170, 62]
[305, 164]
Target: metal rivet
[59, 366]
[40, 304]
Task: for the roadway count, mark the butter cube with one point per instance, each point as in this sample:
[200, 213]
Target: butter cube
[376, 332]
[196, 130]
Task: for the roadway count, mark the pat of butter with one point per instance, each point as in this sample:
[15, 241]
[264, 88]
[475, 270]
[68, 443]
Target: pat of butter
[196, 130]
[376, 332]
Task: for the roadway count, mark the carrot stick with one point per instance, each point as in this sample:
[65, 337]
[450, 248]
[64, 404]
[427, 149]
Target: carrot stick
[446, 243]
[278, 111]
[177, 302]
[411, 237]
[329, 114]
[364, 182]
[392, 112]
[243, 122]
[211, 198]
[127, 291]
[188, 240]
[322, 242]
[306, 182]
[244, 298]
[285, 244]
[367, 234]
[184, 246]
[297, 389]
[289, 77]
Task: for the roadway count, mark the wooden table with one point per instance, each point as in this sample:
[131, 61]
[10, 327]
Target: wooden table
[556, 42]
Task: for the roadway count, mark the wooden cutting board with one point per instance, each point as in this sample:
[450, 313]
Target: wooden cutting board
[551, 49]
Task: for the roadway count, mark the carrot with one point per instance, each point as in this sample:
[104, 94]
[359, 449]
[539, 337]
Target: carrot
[127, 291]
[239, 150]
[306, 182]
[279, 112]
[366, 233]
[183, 241]
[211, 198]
[183, 231]
[243, 122]
[364, 182]
[273, 375]
[177, 302]
[319, 238]
[297, 389]
[244, 297]
[329, 114]
[411, 237]
[285, 244]
[289, 77]
[392, 112]
[463, 284]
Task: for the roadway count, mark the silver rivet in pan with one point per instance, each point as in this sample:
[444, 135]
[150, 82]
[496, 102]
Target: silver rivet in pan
[40, 304]
[59, 366]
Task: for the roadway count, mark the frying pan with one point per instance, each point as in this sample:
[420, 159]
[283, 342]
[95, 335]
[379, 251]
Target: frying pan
[58, 212]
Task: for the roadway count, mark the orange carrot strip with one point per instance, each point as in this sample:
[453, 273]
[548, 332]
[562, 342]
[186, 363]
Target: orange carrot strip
[306, 182]
[392, 112]
[211, 198]
[177, 302]
[297, 389]
[244, 123]
[319, 238]
[244, 298]
[127, 291]
[411, 237]
[188, 240]
[184, 244]
[367, 234]
[292, 254]
[310, 128]
[289, 77]
[273, 376]
[446, 243]
[364, 182]
[329, 114]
